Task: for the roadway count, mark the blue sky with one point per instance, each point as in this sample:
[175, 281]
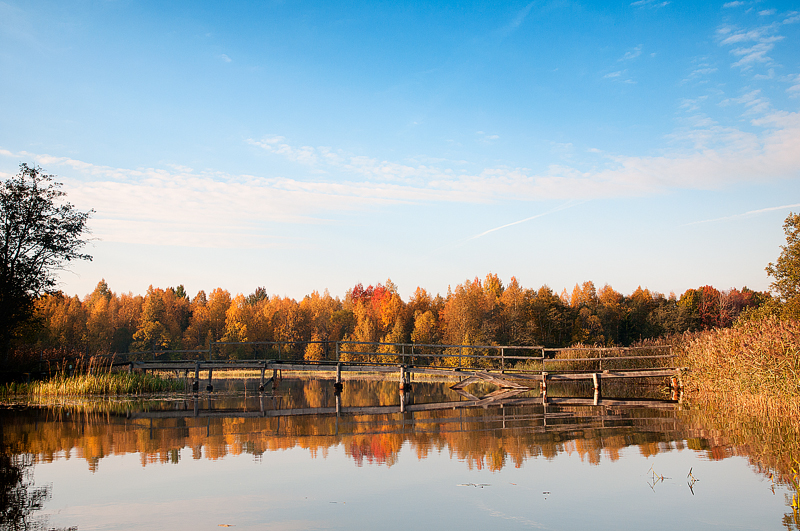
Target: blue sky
[302, 146]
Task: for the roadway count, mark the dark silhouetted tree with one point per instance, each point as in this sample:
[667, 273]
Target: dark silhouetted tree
[39, 234]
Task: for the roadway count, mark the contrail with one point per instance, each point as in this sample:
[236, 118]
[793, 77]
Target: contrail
[562, 207]
[750, 213]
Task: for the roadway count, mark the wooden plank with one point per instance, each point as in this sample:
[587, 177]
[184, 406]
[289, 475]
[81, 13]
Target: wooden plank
[498, 380]
[465, 382]
[500, 394]
[651, 357]
[666, 404]
[468, 396]
[650, 373]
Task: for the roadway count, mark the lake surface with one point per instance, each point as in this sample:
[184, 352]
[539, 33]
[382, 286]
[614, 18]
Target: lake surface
[270, 462]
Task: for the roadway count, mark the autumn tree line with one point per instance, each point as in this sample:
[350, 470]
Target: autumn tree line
[476, 312]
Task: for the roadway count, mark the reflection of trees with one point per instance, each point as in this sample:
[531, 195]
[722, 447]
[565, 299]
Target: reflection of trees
[93, 430]
[768, 436]
[19, 498]
[476, 436]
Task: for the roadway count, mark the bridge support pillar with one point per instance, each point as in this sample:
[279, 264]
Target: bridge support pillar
[544, 385]
[405, 398]
[676, 387]
[337, 385]
[196, 382]
[405, 381]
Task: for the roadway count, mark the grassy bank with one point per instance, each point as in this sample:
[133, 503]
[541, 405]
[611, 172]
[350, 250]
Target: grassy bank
[104, 383]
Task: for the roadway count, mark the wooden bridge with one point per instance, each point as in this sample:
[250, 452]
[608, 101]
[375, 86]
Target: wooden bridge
[512, 369]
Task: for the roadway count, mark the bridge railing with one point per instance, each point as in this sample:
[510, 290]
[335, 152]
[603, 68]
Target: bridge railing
[507, 357]
[599, 359]
[500, 357]
[488, 357]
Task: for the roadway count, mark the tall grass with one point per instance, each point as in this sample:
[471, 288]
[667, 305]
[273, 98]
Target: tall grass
[745, 384]
[102, 382]
[759, 358]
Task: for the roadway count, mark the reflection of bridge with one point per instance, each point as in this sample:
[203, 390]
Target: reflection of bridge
[513, 369]
[554, 415]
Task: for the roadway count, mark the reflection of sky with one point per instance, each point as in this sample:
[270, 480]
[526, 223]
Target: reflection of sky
[289, 489]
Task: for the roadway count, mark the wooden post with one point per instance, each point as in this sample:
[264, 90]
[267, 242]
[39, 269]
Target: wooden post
[502, 361]
[196, 383]
[544, 386]
[337, 385]
[673, 387]
[337, 352]
[596, 381]
[405, 385]
[210, 387]
[261, 384]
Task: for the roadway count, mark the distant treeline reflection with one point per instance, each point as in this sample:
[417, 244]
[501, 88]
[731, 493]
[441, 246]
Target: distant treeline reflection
[483, 438]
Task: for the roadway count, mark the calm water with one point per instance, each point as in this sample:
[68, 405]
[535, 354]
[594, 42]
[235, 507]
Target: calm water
[266, 463]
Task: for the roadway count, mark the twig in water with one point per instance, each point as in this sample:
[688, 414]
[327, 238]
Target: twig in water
[691, 480]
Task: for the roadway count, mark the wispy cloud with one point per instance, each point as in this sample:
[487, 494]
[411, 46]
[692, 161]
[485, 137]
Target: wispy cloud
[763, 37]
[746, 214]
[520, 17]
[632, 54]
[486, 138]
[728, 5]
[225, 58]
[753, 101]
[177, 205]
[650, 3]
[702, 67]
[792, 18]
[794, 90]
[613, 74]
[692, 104]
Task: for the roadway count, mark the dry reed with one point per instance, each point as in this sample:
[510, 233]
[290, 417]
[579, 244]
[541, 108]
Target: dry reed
[90, 377]
[744, 382]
